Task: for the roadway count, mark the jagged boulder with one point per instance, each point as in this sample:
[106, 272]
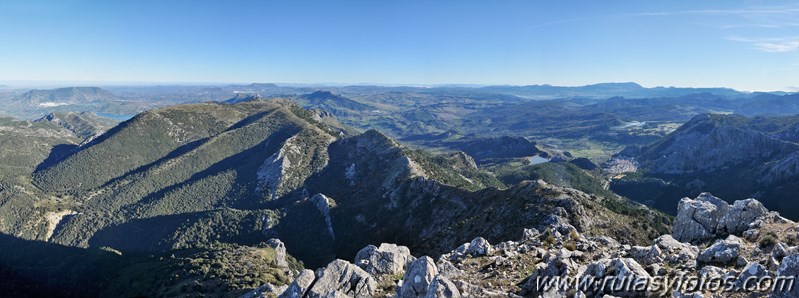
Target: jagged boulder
[647, 254]
[707, 217]
[300, 285]
[267, 290]
[389, 259]
[722, 251]
[447, 269]
[676, 252]
[557, 264]
[442, 287]
[324, 204]
[789, 267]
[751, 271]
[418, 278]
[478, 247]
[698, 218]
[280, 252]
[618, 270]
[340, 278]
[741, 215]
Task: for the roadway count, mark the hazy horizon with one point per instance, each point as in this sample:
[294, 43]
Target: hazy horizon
[67, 84]
[743, 45]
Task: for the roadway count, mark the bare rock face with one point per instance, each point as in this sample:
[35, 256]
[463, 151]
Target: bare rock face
[625, 268]
[788, 267]
[388, 259]
[418, 278]
[267, 290]
[752, 270]
[722, 251]
[741, 215]
[300, 285]
[534, 265]
[697, 219]
[677, 253]
[324, 204]
[342, 279]
[477, 247]
[280, 252]
[707, 217]
[442, 287]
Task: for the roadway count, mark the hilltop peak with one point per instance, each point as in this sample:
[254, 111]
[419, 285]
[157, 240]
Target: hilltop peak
[243, 97]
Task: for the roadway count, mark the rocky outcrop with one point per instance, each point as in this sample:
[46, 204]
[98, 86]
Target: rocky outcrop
[418, 278]
[324, 204]
[340, 278]
[722, 251]
[707, 217]
[388, 259]
[477, 247]
[788, 267]
[280, 252]
[300, 285]
[299, 157]
[267, 290]
[523, 267]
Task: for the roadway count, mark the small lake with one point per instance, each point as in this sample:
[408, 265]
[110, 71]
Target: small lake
[538, 160]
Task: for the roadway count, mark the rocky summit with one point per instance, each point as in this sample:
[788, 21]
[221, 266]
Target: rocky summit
[747, 259]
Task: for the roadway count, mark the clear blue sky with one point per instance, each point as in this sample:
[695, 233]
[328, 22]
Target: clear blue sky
[748, 45]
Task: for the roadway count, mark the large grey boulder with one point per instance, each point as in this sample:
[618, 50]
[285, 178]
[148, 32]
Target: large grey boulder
[447, 269]
[418, 278]
[266, 290]
[676, 252]
[741, 215]
[750, 275]
[442, 287]
[342, 279]
[616, 271]
[556, 264]
[387, 259]
[707, 217]
[722, 251]
[697, 219]
[300, 285]
[789, 268]
[479, 247]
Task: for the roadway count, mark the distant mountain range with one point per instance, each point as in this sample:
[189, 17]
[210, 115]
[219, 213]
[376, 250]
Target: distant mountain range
[215, 190]
[64, 96]
[605, 90]
[726, 154]
[36, 103]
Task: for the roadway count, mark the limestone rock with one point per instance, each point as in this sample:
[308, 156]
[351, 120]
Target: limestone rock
[386, 259]
[676, 252]
[418, 278]
[280, 252]
[741, 215]
[752, 270]
[722, 251]
[267, 290]
[707, 216]
[788, 267]
[442, 287]
[342, 279]
[698, 219]
[479, 247]
[300, 285]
